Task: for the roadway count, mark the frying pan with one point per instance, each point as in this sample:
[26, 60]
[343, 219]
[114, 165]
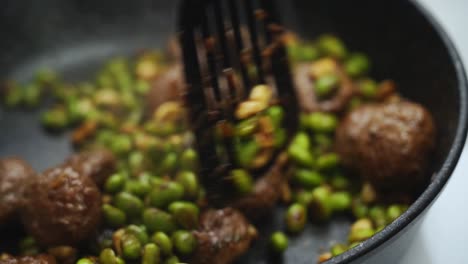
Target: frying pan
[403, 40]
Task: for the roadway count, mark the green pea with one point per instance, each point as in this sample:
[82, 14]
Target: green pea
[121, 144]
[185, 213]
[368, 88]
[108, 256]
[189, 160]
[184, 242]
[139, 232]
[158, 220]
[322, 122]
[280, 137]
[189, 181]
[279, 242]
[55, 118]
[114, 217]
[320, 207]
[301, 155]
[32, 95]
[338, 249]
[246, 127]
[304, 197]
[307, 178]
[85, 261]
[242, 180]
[129, 203]
[378, 215]
[339, 182]
[359, 209]
[151, 254]
[114, 183]
[332, 46]
[131, 246]
[276, 114]
[296, 217]
[164, 243]
[172, 260]
[169, 163]
[161, 196]
[326, 85]
[340, 201]
[328, 161]
[357, 65]
[246, 153]
[137, 187]
[142, 87]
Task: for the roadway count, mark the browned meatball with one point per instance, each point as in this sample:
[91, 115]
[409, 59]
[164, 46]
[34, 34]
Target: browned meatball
[387, 144]
[97, 164]
[40, 259]
[223, 236]
[15, 177]
[63, 208]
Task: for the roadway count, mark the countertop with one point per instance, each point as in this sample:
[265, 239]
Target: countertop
[443, 237]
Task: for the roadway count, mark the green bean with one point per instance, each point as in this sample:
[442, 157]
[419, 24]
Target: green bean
[320, 207]
[163, 242]
[115, 183]
[368, 88]
[114, 217]
[172, 260]
[340, 201]
[185, 213]
[332, 46]
[189, 181]
[85, 261]
[378, 215]
[151, 254]
[276, 114]
[107, 256]
[184, 242]
[246, 152]
[139, 232]
[242, 180]
[279, 242]
[328, 161]
[338, 249]
[128, 203]
[325, 85]
[357, 65]
[131, 246]
[322, 122]
[158, 220]
[161, 196]
[189, 160]
[246, 127]
[55, 118]
[32, 95]
[296, 217]
[308, 178]
[121, 144]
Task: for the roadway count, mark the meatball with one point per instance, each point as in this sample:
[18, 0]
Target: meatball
[223, 236]
[15, 177]
[97, 164]
[63, 208]
[40, 259]
[387, 144]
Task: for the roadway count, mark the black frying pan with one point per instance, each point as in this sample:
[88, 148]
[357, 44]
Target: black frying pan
[404, 43]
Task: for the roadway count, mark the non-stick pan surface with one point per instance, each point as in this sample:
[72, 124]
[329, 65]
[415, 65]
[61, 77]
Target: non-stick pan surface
[75, 36]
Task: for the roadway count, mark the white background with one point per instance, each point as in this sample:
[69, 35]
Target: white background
[443, 237]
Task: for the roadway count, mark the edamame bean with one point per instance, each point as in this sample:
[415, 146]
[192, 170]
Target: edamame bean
[162, 195]
[163, 242]
[185, 213]
[128, 203]
[357, 65]
[108, 256]
[184, 242]
[158, 220]
[131, 247]
[296, 217]
[189, 182]
[242, 180]
[320, 207]
[340, 201]
[189, 160]
[325, 85]
[332, 46]
[114, 217]
[151, 254]
[322, 122]
[279, 242]
[328, 161]
[308, 178]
